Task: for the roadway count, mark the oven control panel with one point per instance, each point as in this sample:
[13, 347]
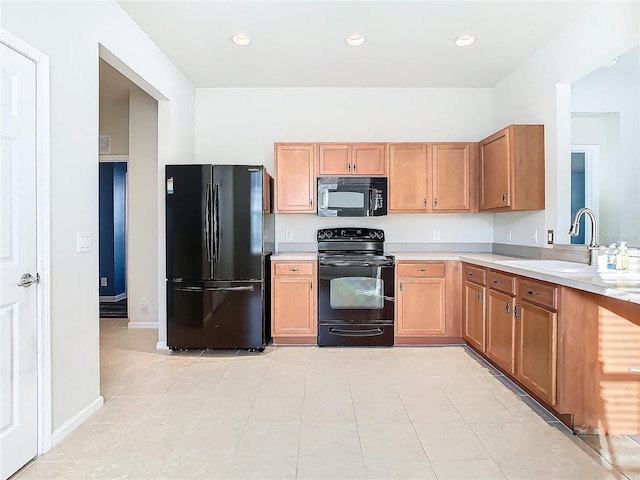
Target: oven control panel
[351, 234]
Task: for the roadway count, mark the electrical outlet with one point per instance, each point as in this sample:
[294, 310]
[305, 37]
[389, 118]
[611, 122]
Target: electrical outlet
[143, 303]
[550, 237]
[534, 237]
[103, 281]
[509, 236]
[436, 234]
[288, 234]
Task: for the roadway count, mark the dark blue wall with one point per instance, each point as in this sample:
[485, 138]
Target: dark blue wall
[112, 205]
[578, 197]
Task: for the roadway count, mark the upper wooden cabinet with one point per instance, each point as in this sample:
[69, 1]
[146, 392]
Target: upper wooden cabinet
[352, 159]
[439, 177]
[409, 178]
[512, 169]
[454, 177]
[295, 170]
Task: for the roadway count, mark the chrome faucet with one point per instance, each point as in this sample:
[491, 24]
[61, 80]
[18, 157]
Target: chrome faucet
[575, 229]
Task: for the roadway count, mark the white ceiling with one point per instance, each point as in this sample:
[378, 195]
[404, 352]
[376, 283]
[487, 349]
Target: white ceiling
[302, 43]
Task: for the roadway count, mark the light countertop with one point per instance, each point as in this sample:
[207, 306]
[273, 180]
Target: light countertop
[610, 283]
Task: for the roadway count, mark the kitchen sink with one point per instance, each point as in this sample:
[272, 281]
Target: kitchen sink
[559, 266]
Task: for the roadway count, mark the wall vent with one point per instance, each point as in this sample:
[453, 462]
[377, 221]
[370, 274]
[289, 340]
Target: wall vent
[104, 144]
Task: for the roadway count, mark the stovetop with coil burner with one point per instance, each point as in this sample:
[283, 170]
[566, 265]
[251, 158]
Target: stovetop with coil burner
[347, 246]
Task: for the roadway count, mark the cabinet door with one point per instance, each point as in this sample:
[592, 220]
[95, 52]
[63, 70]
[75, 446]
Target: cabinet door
[368, 159]
[451, 174]
[295, 177]
[537, 354]
[501, 330]
[408, 178]
[495, 171]
[293, 307]
[421, 307]
[334, 159]
[473, 328]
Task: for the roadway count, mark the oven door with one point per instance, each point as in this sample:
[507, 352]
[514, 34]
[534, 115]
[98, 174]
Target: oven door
[355, 294]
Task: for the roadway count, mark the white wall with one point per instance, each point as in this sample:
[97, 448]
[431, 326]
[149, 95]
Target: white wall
[114, 108]
[142, 224]
[241, 126]
[70, 34]
[538, 92]
[611, 98]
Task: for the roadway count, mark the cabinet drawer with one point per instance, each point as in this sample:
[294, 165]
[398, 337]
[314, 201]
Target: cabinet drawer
[420, 269]
[501, 281]
[473, 274]
[537, 292]
[297, 269]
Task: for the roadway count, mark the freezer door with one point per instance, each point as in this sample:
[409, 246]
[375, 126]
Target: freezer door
[238, 222]
[216, 315]
[189, 195]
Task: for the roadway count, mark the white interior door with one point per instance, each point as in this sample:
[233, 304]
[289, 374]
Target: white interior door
[18, 304]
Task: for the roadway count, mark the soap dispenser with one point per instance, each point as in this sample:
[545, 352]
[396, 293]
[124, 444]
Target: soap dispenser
[622, 257]
[611, 257]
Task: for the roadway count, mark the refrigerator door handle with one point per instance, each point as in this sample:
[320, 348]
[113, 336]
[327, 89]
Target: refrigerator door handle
[207, 222]
[215, 289]
[216, 224]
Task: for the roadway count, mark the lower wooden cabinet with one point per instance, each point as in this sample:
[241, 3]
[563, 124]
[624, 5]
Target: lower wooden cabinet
[537, 349]
[501, 329]
[473, 330]
[428, 307]
[294, 316]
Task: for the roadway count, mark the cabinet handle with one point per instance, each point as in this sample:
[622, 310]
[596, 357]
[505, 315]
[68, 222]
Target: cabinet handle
[422, 269]
[400, 286]
[516, 311]
[504, 198]
[435, 202]
[634, 370]
[311, 201]
[471, 274]
[425, 203]
[479, 296]
[531, 292]
[310, 285]
[349, 167]
[293, 269]
[507, 307]
[497, 282]
[354, 168]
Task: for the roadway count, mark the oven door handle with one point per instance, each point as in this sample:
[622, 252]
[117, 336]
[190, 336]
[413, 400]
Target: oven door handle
[370, 332]
[353, 264]
[377, 295]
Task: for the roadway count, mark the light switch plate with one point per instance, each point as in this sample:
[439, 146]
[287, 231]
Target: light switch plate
[83, 242]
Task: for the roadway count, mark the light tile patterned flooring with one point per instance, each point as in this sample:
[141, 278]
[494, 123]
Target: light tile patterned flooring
[312, 413]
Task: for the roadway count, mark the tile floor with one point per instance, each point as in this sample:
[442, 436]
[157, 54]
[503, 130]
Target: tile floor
[314, 413]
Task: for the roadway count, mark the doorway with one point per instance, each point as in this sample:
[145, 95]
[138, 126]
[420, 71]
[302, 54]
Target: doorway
[584, 184]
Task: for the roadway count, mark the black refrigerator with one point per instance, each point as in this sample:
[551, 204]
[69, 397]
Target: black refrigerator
[219, 238]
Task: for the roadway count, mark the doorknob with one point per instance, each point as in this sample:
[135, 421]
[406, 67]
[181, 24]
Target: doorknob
[27, 280]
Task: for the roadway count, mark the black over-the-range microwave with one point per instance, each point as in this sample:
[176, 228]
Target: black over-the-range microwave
[352, 196]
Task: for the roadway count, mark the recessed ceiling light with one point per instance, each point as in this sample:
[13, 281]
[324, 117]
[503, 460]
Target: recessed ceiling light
[355, 40]
[611, 62]
[465, 40]
[242, 40]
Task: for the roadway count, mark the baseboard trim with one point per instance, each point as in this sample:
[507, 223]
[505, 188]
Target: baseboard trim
[162, 346]
[74, 422]
[143, 325]
[112, 298]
